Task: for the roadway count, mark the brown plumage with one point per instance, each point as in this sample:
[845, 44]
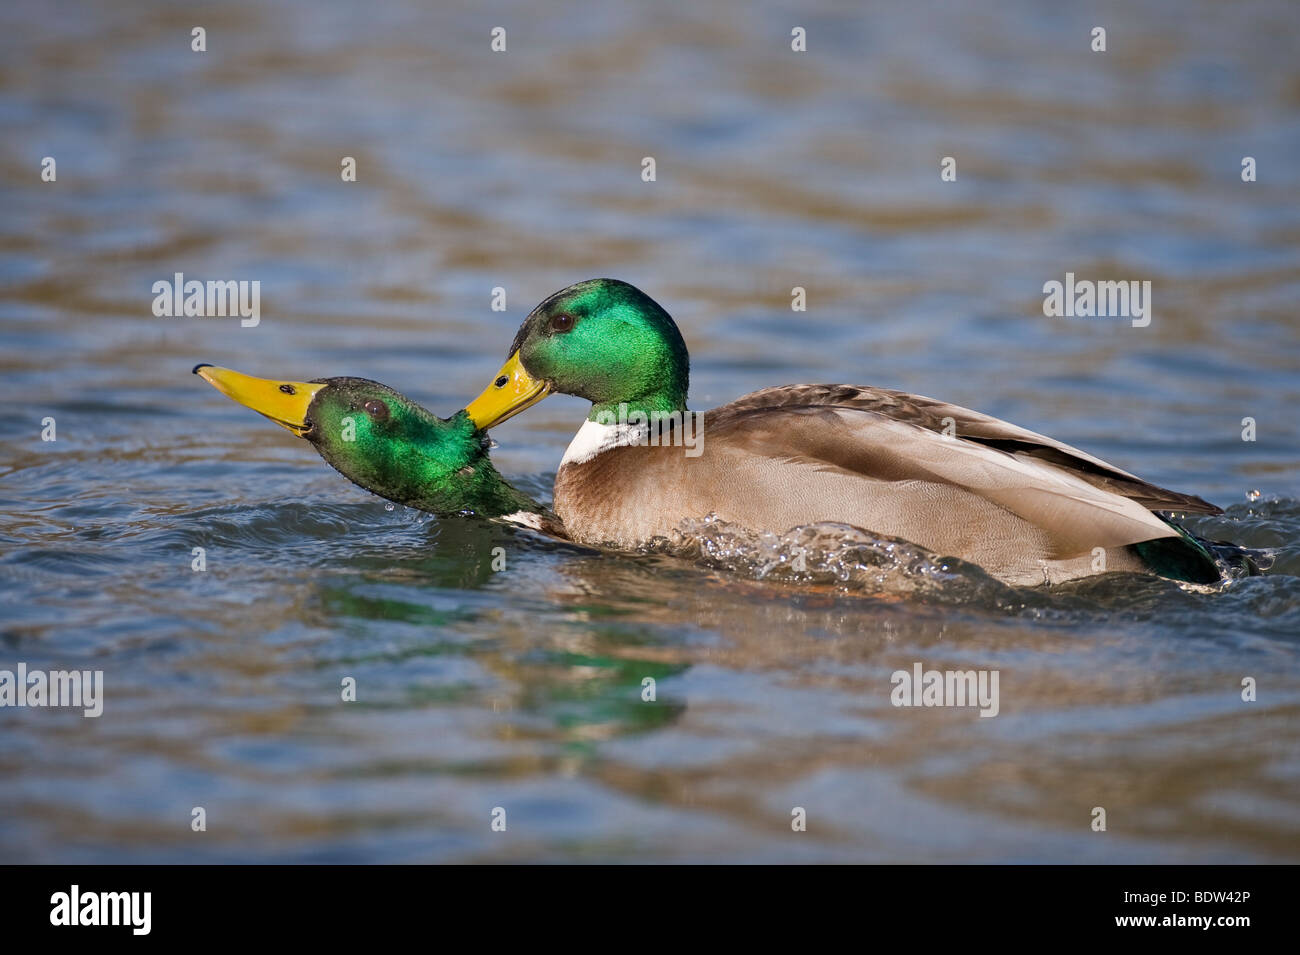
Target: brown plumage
[1026, 508]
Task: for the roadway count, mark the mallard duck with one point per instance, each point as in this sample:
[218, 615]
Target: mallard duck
[387, 444]
[1025, 507]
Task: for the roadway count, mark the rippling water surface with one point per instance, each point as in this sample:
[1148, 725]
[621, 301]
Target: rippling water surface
[522, 688]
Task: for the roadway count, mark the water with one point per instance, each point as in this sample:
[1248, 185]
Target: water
[522, 688]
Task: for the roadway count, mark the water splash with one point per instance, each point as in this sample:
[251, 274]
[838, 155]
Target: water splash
[827, 554]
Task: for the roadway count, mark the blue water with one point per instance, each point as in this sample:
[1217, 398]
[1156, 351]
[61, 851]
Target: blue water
[521, 688]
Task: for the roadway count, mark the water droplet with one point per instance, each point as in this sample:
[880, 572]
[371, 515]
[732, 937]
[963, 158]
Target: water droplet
[492, 444]
[1252, 495]
[390, 506]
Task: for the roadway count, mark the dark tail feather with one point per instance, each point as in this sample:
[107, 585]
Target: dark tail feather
[1197, 560]
[1243, 561]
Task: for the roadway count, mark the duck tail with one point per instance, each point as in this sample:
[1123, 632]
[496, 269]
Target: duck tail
[1199, 560]
[1240, 561]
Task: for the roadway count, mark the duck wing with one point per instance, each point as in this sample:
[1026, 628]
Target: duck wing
[952, 420]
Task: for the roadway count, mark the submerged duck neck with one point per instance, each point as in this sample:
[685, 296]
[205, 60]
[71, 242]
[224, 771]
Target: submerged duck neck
[474, 486]
[483, 492]
[417, 459]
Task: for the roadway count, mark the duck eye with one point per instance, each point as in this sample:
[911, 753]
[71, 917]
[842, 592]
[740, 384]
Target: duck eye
[376, 409]
[562, 322]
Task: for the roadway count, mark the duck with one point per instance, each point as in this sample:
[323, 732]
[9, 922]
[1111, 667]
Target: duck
[387, 444]
[1024, 507]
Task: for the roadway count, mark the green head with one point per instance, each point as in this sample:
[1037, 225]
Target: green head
[603, 340]
[382, 441]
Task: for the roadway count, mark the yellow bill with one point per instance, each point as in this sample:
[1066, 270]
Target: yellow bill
[511, 392]
[284, 402]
